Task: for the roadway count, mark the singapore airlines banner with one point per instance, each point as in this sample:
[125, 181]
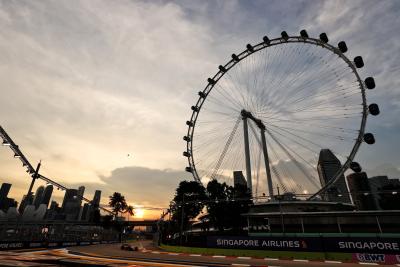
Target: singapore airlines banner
[328, 244]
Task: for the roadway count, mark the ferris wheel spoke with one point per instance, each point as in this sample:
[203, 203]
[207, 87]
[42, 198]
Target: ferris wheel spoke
[323, 102]
[226, 147]
[228, 96]
[304, 139]
[320, 133]
[302, 169]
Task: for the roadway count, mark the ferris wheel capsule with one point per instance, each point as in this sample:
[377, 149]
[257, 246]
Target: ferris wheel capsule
[369, 138]
[284, 35]
[211, 81]
[235, 57]
[266, 40]
[370, 83]
[359, 62]
[355, 166]
[373, 109]
[250, 48]
[324, 37]
[304, 34]
[222, 68]
[342, 46]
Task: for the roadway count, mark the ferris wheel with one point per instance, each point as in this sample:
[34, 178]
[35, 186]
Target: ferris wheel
[267, 114]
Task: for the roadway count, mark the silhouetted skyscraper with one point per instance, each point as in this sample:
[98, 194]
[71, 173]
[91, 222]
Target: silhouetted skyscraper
[81, 191]
[360, 191]
[47, 195]
[68, 196]
[26, 200]
[96, 198]
[238, 178]
[38, 196]
[328, 166]
[382, 188]
[4, 190]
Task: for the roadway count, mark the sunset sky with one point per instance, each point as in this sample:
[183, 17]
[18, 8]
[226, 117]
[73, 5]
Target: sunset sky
[100, 90]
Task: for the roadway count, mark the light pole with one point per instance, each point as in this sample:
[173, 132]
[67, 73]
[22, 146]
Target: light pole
[280, 210]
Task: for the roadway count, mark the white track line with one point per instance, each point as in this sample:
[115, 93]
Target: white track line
[298, 260]
[174, 254]
[368, 263]
[195, 255]
[155, 252]
[333, 262]
[218, 256]
[244, 258]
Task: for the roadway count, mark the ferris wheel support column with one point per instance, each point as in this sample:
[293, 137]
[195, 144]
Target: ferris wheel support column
[267, 167]
[247, 155]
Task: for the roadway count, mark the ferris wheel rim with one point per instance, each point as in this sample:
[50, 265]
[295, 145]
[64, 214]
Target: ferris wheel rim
[259, 47]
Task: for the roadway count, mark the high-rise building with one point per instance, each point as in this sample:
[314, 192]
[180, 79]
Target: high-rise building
[238, 178]
[328, 166]
[382, 188]
[4, 190]
[71, 205]
[47, 195]
[84, 214]
[360, 191]
[81, 191]
[96, 199]
[37, 200]
[69, 196]
[26, 200]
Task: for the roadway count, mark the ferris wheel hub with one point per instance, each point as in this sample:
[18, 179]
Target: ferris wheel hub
[248, 115]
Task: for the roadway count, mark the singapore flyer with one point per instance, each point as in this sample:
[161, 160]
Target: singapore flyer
[273, 111]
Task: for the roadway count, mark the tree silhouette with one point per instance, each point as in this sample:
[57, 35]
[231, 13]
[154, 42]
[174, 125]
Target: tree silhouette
[117, 203]
[129, 210]
[188, 202]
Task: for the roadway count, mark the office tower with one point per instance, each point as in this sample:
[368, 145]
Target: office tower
[71, 205]
[47, 195]
[69, 196]
[96, 199]
[26, 200]
[84, 214]
[81, 191]
[238, 178]
[360, 191]
[328, 166]
[4, 190]
[386, 192]
[38, 196]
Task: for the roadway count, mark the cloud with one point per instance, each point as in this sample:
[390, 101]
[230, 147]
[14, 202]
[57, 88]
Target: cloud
[144, 185]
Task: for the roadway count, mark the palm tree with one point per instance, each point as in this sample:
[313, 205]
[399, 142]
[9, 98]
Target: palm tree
[118, 203]
[130, 210]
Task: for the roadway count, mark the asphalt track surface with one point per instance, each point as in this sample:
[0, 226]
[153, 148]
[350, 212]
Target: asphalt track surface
[151, 256]
[112, 255]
